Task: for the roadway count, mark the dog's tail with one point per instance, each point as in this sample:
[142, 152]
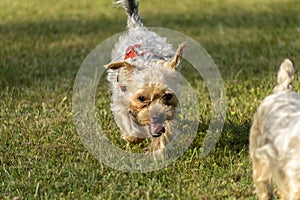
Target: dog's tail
[132, 9]
[285, 76]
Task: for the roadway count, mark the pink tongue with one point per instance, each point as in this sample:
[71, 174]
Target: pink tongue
[155, 128]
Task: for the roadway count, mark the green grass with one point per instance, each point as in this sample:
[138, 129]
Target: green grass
[42, 45]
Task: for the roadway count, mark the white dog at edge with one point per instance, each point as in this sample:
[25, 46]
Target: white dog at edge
[275, 140]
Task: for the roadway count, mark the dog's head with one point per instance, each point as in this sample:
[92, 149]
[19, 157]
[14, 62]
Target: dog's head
[151, 89]
[152, 105]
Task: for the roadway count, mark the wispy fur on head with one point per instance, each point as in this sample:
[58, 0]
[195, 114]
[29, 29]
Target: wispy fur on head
[275, 140]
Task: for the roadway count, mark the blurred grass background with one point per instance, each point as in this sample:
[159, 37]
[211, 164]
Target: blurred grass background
[43, 43]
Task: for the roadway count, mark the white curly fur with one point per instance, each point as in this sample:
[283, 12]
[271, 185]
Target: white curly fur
[275, 140]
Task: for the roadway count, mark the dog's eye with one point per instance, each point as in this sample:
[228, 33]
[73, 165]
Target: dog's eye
[141, 98]
[168, 96]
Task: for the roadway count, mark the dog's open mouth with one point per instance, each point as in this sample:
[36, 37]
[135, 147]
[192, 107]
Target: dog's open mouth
[156, 129]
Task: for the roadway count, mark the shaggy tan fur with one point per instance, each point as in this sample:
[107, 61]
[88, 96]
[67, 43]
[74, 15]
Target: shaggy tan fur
[275, 140]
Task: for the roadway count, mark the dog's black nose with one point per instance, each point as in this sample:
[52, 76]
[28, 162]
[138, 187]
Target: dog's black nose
[158, 118]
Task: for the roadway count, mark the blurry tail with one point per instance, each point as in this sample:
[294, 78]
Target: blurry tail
[285, 76]
[132, 9]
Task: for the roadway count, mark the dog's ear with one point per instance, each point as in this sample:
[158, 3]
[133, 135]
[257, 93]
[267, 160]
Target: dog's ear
[118, 65]
[175, 62]
[285, 76]
[286, 73]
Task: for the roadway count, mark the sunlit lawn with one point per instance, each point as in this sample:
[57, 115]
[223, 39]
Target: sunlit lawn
[42, 45]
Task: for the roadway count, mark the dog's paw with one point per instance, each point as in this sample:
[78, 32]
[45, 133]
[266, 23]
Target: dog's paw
[133, 139]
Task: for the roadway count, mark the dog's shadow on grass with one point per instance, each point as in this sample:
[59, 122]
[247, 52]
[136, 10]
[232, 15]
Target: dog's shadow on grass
[233, 136]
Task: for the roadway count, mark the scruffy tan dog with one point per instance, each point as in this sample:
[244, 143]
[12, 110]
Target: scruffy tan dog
[275, 140]
[144, 80]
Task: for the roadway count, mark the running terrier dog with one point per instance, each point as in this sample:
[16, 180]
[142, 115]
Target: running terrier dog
[275, 140]
[144, 80]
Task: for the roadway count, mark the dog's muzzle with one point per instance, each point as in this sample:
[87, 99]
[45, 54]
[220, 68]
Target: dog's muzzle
[158, 118]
